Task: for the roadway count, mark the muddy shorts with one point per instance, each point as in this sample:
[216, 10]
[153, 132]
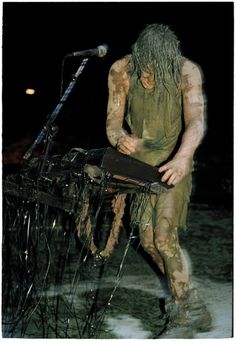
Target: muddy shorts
[147, 209]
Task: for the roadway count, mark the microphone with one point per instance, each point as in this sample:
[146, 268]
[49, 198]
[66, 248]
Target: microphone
[99, 51]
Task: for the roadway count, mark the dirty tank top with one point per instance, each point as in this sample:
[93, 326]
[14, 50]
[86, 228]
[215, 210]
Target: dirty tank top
[156, 116]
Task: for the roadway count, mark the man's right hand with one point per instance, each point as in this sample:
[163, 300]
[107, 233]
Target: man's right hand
[129, 144]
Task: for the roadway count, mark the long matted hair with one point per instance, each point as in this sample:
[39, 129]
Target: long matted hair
[157, 50]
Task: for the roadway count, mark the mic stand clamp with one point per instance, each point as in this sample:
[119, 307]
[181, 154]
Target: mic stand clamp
[49, 144]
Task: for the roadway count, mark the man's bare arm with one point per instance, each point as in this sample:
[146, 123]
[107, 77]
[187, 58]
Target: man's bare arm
[194, 118]
[117, 85]
[194, 111]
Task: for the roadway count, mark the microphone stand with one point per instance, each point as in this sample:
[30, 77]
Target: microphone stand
[49, 128]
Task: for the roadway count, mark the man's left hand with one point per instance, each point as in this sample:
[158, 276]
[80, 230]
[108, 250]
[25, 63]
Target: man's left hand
[175, 170]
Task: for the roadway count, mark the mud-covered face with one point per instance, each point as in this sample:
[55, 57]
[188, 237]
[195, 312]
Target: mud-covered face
[147, 79]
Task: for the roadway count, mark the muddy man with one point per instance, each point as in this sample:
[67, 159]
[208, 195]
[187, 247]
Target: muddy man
[156, 114]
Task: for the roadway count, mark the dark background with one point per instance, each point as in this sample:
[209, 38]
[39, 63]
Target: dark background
[37, 36]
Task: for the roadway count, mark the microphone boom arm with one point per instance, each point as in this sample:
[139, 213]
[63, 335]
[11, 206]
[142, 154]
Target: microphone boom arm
[56, 111]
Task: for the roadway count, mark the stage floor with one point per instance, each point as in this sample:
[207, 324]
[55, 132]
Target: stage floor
[120, 298]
